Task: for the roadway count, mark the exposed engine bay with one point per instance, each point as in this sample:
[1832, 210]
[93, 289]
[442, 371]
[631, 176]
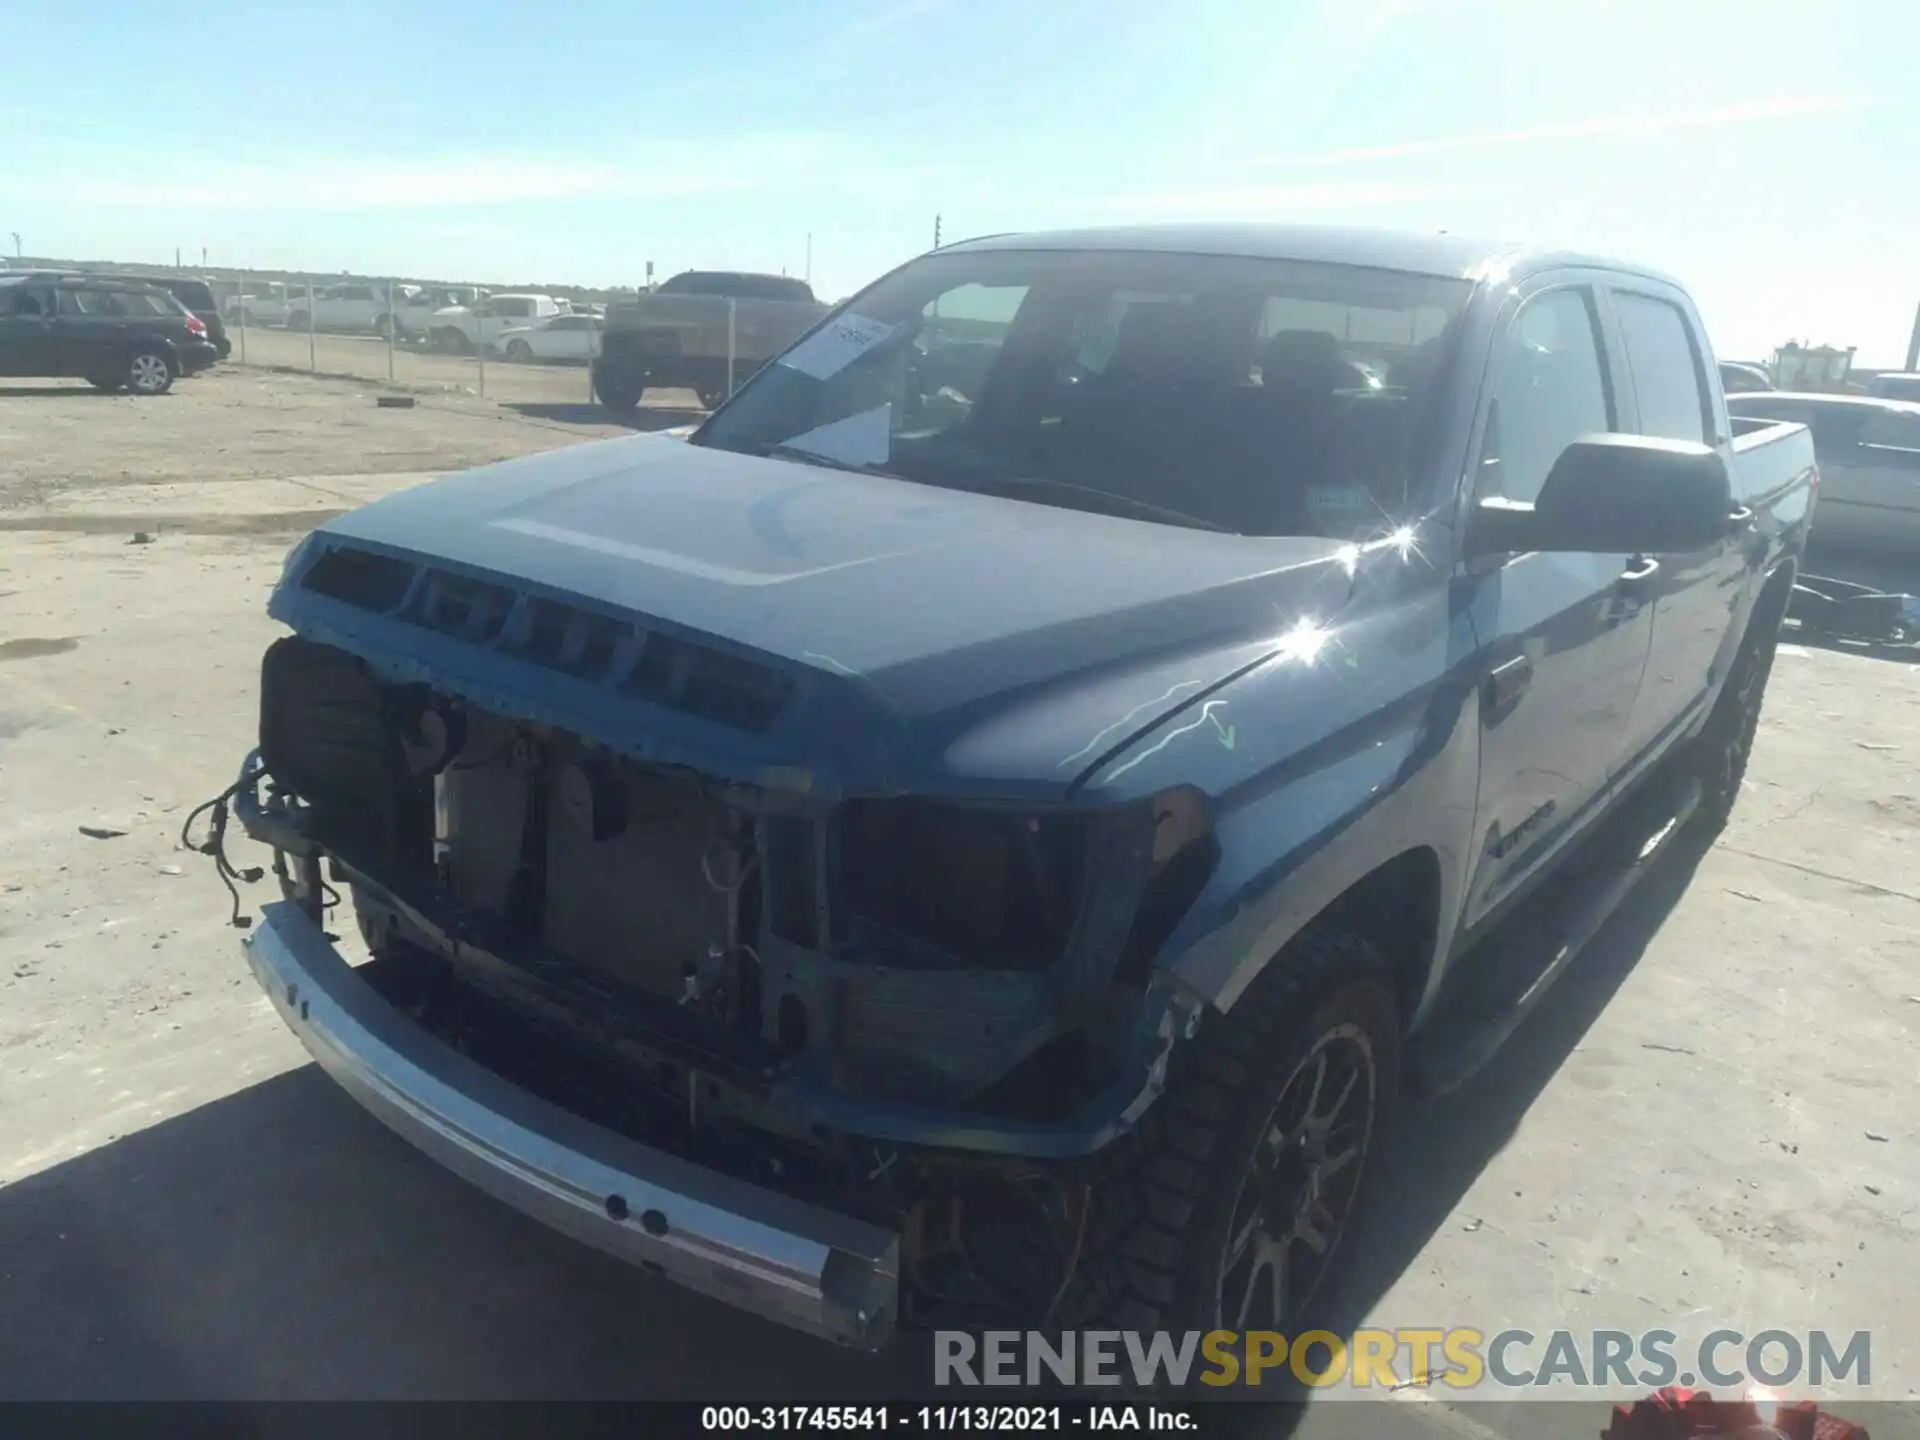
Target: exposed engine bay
[921, 1013]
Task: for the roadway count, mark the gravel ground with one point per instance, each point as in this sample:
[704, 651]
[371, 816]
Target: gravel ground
[1714, 1113]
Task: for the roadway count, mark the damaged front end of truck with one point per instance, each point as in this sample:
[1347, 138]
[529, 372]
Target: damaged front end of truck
[655, 956]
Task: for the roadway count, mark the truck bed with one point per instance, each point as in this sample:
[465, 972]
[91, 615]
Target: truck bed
[1774, 474]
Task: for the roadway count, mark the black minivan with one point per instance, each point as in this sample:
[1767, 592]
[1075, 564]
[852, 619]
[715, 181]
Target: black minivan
[114, 334]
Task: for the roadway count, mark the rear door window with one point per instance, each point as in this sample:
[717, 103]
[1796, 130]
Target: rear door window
[1665, 367]
[91, 303]
[149, 303]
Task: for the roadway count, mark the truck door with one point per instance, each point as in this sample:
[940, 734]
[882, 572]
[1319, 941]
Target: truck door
[1563, 637]
[1695, 594]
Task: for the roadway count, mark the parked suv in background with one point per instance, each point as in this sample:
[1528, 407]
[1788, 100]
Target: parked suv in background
[355, 305]
[115, 334]
[196, 296]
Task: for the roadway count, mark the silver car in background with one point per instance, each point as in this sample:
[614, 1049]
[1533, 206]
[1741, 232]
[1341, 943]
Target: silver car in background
[1868, 451]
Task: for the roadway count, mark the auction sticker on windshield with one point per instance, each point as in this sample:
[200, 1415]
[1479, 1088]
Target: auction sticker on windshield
[836, 345]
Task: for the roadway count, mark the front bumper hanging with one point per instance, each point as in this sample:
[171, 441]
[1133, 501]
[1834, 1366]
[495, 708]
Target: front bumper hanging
[830, 1275]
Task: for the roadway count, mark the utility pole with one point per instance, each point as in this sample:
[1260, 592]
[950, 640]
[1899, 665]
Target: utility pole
[1913, 342]
[176, 257]
[936, 232]
[16, 244]
[809, 275]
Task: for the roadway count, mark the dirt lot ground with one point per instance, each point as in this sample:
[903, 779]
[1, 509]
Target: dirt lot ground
[1714, 1114]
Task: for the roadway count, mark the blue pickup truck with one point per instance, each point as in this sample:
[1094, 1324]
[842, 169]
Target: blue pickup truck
[987, 826]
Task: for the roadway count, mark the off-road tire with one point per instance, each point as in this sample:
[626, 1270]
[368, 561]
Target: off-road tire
[1164, 1195]
[297, 320]
[711, 397]
[519, 352]
[619, 398]
[1725, 744]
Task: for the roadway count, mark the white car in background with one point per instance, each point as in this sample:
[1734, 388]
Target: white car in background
[465, 328]
[415, 312]
[264, 302]
[563, 337]
[1868, 451]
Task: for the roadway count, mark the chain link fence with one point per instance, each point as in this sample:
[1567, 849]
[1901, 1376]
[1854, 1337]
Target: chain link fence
[528, 348]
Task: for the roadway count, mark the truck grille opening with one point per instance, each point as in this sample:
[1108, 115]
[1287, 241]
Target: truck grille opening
[332, 734]
[995, 889]
[636, 875]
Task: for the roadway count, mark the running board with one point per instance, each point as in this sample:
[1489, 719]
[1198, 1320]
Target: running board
[1503, 979]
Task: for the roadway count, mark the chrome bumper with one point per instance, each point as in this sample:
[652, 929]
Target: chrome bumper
[827, 1274]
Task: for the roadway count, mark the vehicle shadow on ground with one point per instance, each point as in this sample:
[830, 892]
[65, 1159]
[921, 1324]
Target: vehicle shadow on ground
[1439, 1146]
[280, 1243]
[28, 392]
[646, 418]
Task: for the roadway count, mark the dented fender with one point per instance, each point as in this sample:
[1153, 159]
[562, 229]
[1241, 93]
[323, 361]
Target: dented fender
[1356, 743]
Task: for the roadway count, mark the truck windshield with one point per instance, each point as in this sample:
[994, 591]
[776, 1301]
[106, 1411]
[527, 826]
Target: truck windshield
[1256, 396]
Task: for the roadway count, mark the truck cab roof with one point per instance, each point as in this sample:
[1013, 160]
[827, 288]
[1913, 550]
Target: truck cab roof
[1410, 252]
[739, 285]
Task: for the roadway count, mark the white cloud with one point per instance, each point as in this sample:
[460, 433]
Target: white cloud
[1271, 201]
[1636, 125]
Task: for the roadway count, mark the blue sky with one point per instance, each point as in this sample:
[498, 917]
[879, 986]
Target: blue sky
[1766, 151]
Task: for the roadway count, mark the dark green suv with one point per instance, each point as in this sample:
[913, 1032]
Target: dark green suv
[114, 334]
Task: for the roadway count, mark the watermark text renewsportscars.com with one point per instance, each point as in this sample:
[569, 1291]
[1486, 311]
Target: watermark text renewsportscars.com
[1513, 1363]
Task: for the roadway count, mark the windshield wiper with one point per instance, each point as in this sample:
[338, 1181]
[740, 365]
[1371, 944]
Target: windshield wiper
[785, 450]
[1014, 485]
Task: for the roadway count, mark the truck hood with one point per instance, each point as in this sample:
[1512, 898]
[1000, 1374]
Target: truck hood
[930, 638]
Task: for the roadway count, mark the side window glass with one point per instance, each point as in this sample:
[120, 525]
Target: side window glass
[1892, 431]
[1548, 390]
[89, 302]
[961, 333]
[1665, 369]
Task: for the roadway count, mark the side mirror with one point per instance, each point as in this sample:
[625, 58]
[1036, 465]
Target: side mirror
[1630, 494]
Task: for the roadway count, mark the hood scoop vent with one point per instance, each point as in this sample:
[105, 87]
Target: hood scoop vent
[651, 665]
